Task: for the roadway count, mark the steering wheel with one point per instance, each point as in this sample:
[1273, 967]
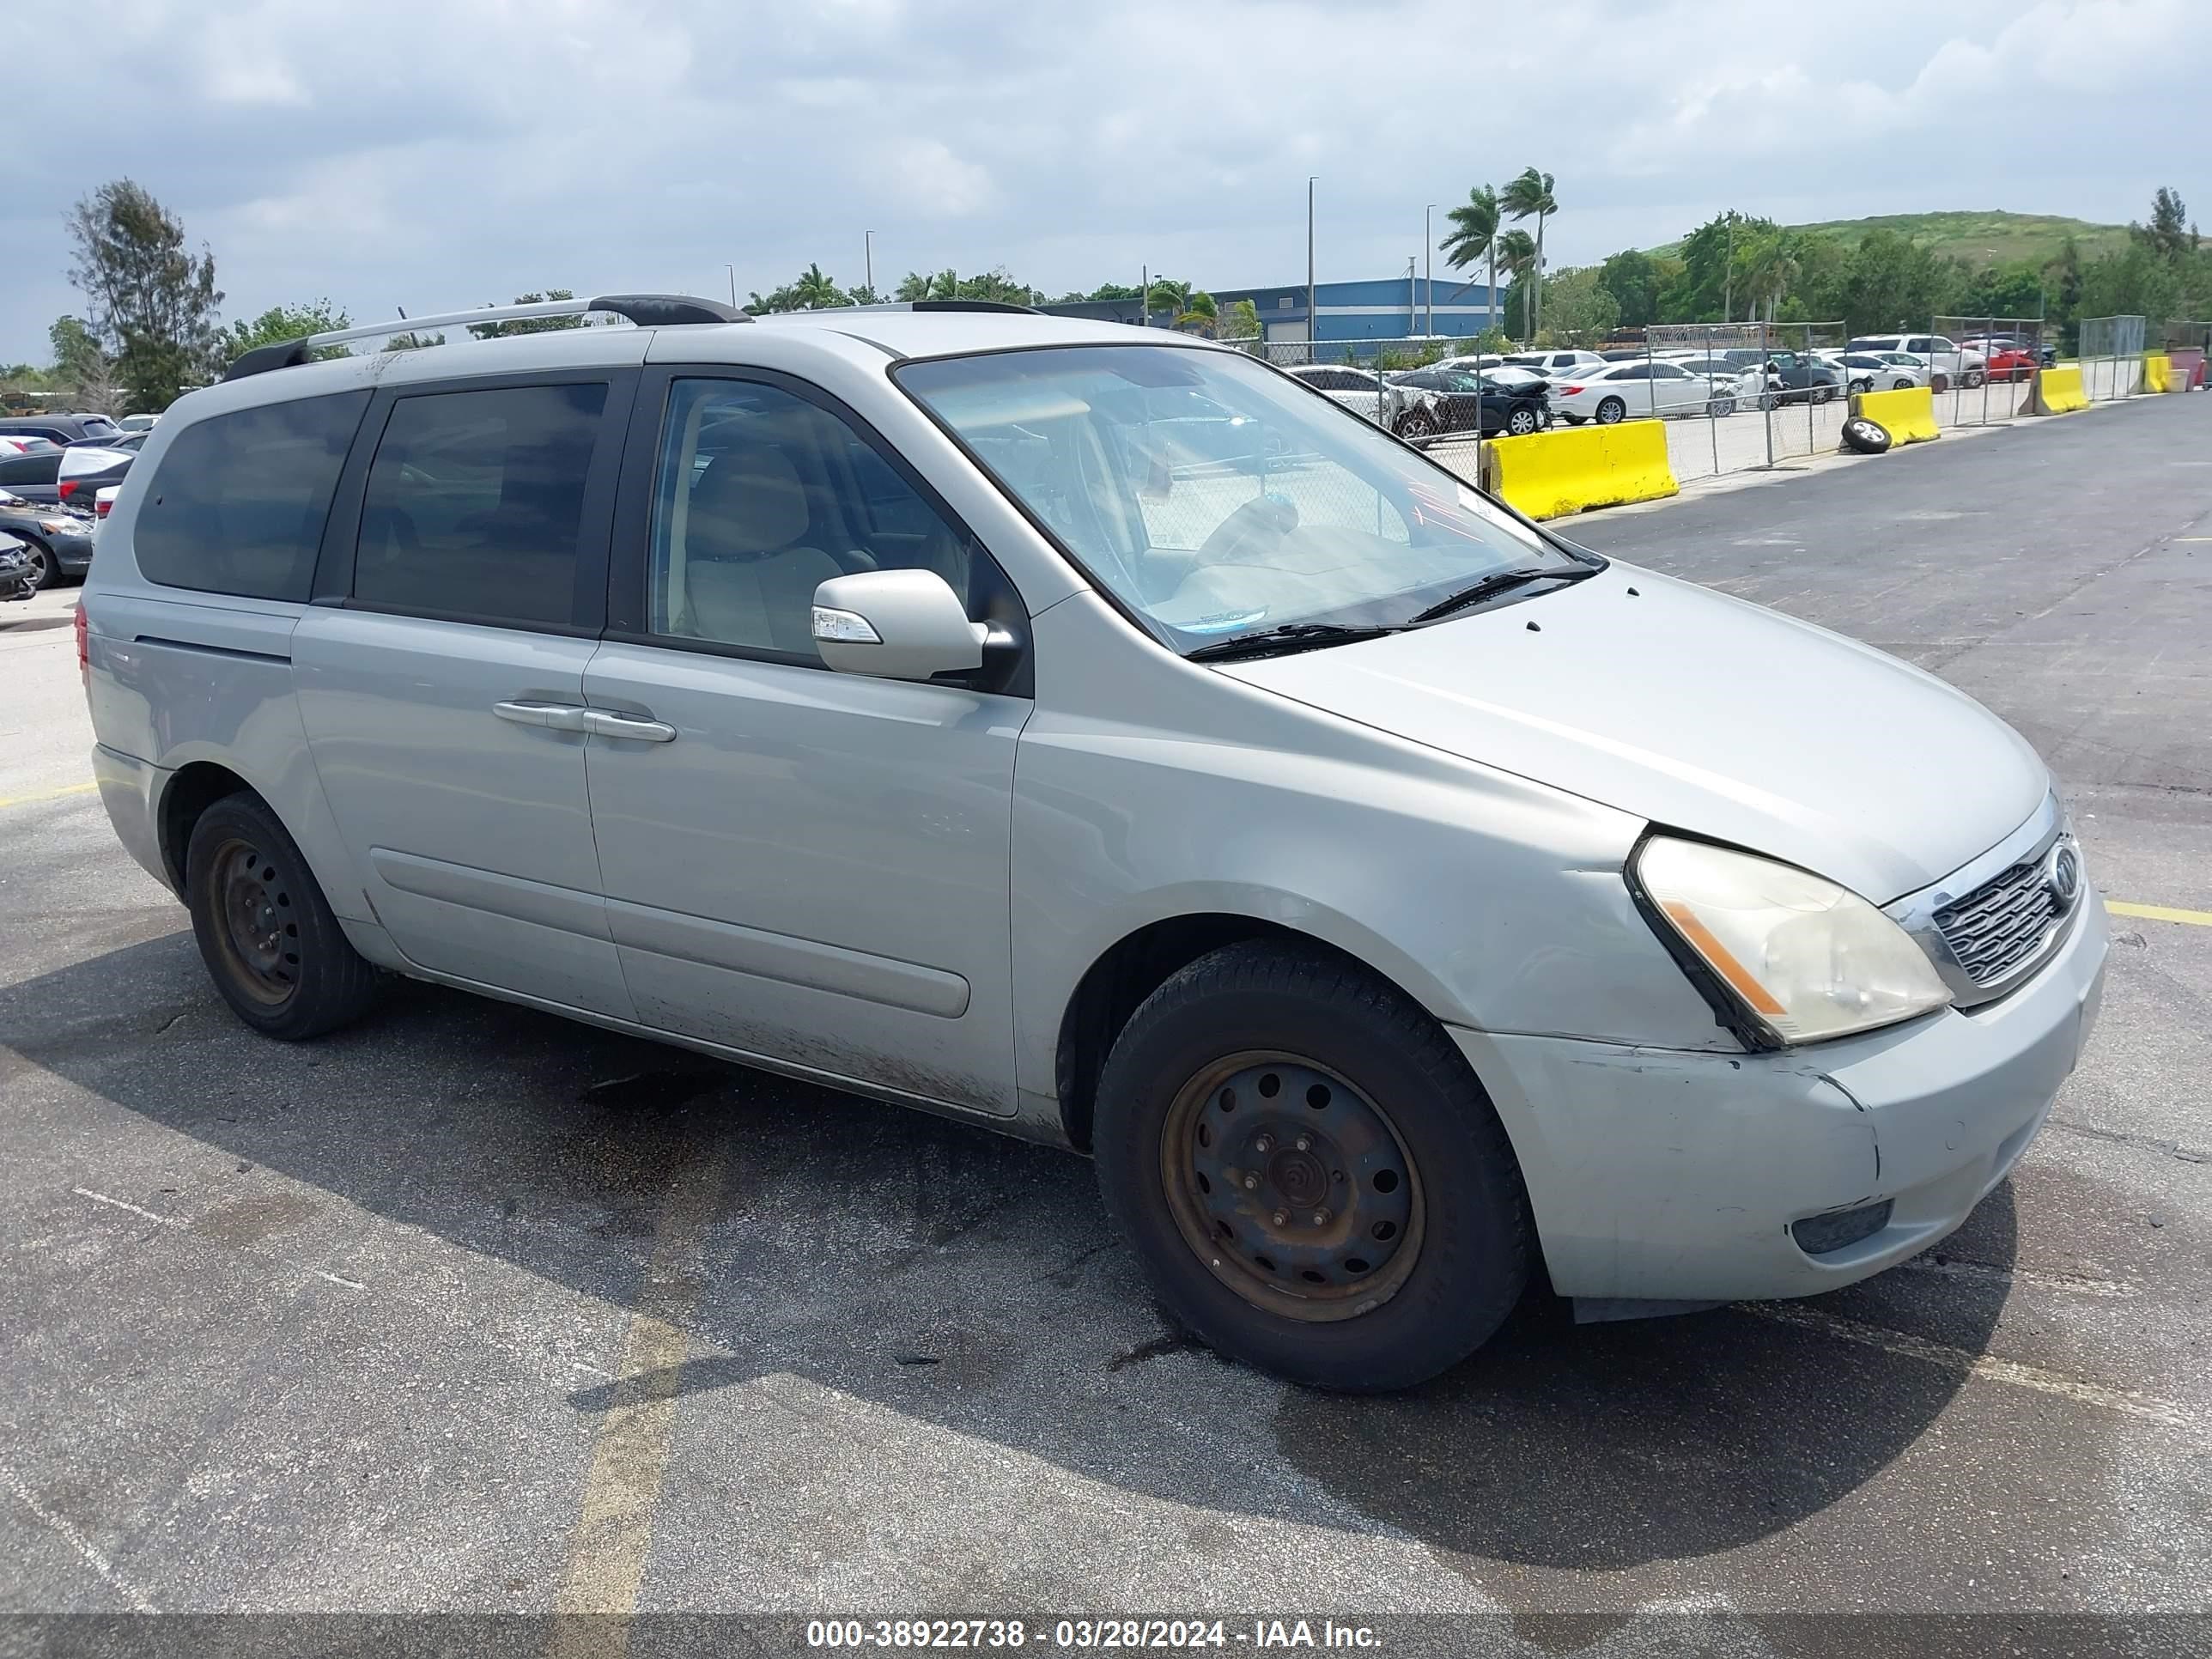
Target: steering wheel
[1249, 534]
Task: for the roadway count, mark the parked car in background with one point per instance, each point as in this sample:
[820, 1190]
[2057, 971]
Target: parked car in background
[60, 428]
[1554, 363]
[138, 423]
[1607, 393]
[85, 467]
[1744, 378]
[2010, 362]
[1358, 390]
[1796, 377]
[60, 541]
[1458, 400]
[18, 577]
[33, 476]
[1941, 356]
[18, 443]
[1865, 371]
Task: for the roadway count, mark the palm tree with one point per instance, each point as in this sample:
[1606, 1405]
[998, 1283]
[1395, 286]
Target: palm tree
[1474, 235]
[1773, 268]
[1514, 253]
[815, 291]
[1530, 195]
[944, 285]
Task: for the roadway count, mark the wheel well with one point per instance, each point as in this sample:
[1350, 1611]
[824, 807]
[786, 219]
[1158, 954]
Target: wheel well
[194, 789]
[1116, 985]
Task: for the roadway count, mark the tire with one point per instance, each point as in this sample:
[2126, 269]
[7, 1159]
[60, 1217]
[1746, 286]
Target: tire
[1572, 420]
[1822, 392]
[1903, 385]
[266, 934]
[1417, 1261]
[1863, 384]
[1719, 408]
[47, 569]
[1865, 437]
[1973, 377]
[1521, 422]
[1611, 412]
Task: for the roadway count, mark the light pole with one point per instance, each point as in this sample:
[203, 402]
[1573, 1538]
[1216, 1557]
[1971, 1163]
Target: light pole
[1144, 292]
[1312, 317]
[733, 269]
[1428, 275]
[868, 259]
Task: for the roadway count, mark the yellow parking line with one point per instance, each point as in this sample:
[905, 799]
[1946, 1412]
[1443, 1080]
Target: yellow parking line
[48, 794]
[613, 1533]
[2160, 913]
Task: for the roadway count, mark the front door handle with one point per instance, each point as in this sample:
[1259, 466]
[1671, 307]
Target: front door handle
[556, 716]
[638, 728]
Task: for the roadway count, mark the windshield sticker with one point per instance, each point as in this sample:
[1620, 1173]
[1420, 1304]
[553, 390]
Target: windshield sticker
[1225, 623]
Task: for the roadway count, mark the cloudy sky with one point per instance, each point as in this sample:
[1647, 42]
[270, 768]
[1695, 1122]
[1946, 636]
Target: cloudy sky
[402, 153]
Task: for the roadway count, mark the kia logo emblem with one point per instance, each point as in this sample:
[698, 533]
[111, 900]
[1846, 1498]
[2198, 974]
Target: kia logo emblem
[2065, 877]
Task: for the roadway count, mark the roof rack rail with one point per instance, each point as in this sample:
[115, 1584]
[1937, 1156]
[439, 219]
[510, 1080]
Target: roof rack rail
[913, 304]
[645, 310]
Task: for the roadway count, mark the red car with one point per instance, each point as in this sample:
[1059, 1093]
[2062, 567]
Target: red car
[2009, 362]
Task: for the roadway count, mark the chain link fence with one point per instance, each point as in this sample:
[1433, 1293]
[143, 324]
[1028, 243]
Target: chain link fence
[1981, 363]
[2111, 357]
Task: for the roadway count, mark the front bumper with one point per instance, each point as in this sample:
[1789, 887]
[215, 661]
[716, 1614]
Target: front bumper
[1669, 1175]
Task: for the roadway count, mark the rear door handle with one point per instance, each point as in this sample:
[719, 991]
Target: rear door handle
[557, 716]
[638, 728]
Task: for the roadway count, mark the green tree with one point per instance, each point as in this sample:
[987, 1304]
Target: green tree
[1516, 257]
[1709, 285]
[1529, 195]
[152, 302]
[529, 325]
[1243, 322]
[1576, 302]
[1473, 233]
[2136, 281]
[1112, 291]
[1633, 279]
[83, 372]
[282, 322]
[2169, 233]
[1893, 283]
[412, 341]
[812, 290]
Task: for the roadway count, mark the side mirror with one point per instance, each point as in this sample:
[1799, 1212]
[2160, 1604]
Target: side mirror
[896, 625]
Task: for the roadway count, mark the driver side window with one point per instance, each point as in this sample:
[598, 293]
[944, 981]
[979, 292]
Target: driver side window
[760, 496]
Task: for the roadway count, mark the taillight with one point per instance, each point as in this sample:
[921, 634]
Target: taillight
[1568, 391]
[100, 506]
[67, 488]
[83, 647]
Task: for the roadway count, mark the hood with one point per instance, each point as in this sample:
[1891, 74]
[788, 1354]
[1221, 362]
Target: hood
[1702, 712]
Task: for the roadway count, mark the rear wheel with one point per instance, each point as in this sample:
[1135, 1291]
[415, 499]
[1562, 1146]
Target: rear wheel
[1313, 1180]
[1611, 411]
[268, 938]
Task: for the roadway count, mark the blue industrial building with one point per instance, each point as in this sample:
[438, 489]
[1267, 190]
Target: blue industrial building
[1390, 309]
[1393, 308]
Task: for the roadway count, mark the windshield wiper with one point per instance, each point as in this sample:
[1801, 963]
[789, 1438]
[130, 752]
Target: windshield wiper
[1278, 641]
[1498, 581]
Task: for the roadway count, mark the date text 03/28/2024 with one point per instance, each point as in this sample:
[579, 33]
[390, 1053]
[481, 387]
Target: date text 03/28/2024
[1145, 1635]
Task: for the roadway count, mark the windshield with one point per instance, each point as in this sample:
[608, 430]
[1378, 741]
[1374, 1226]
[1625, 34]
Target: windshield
[1213, 496]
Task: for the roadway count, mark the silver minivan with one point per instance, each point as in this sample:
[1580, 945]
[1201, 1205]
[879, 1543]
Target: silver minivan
[1102, 737]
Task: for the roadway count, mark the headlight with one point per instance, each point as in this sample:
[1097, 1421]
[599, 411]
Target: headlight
[1804, 958]
[60, 527]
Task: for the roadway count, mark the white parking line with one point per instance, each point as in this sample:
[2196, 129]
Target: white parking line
[102, 1198]
[61, 1527]
[1989, 1368]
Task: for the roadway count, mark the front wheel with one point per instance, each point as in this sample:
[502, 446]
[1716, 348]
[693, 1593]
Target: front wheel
[1415, 424]
[1974, 377]
[46, 568]
[1521, 422]
[268, 938]
[1611, 412]
[1720, 407]
[1313, 1180]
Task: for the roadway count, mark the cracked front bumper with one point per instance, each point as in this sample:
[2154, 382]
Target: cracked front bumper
[1665, 1174]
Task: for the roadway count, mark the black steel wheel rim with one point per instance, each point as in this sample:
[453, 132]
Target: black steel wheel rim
[1291, 1185]
[256, 923]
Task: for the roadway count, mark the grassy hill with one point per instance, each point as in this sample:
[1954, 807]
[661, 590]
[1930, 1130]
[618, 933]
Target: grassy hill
[1979, 239]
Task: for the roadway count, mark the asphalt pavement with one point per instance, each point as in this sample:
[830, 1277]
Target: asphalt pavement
[472, 1309]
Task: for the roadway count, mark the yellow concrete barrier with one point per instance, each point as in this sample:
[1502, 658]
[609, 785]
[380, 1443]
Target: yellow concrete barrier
[2158, 372]
[2055, 390]
[1908, 415]
[1568, 469]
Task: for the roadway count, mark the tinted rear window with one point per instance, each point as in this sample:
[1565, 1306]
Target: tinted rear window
[475, 503]
[239, 503]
